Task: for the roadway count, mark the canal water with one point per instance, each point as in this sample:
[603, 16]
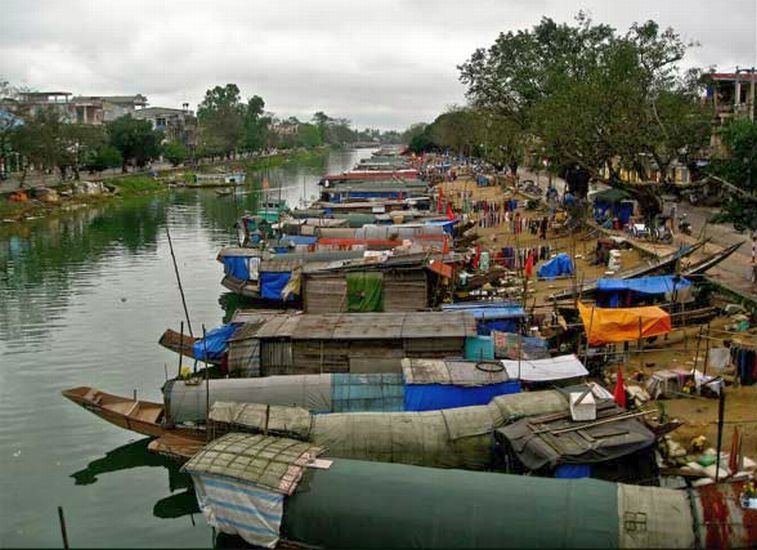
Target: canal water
[84, 297]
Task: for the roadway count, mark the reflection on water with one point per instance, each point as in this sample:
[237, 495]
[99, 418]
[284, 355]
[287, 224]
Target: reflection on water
[135, 455]
[84, 297]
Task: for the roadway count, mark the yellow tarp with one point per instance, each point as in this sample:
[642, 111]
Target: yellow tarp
[610, 325]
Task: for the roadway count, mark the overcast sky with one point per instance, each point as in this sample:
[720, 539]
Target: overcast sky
[381, 64]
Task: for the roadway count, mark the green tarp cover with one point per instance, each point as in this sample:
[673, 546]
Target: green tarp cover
[375, 505]
[365, 292]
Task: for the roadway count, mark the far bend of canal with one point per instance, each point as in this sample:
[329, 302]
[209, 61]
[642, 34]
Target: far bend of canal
[84, 297]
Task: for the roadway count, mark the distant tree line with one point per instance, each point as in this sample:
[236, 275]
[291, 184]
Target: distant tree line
[228, 128]
[583, 97]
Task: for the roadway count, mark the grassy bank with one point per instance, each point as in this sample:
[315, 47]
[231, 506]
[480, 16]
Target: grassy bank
[135, 185]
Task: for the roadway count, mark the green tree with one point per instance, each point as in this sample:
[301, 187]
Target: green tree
[589, 99]
[308, 135]
[10, 120]
[221, 119]
[256, 124]
[47, 140]
[135, 140]
[175, 152]
[737, 165]
[103, 157]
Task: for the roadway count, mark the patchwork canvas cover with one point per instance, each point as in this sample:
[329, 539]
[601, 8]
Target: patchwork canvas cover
[241, 481]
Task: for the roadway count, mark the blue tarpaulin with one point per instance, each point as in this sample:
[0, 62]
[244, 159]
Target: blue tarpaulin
[429, 397]
[236, 266]
[573, 471]
[272, 283]
[557, 266]
[494, 316]
[621, 210]
[611, 290]
[215, 342]
[485, 328]
[447, 225]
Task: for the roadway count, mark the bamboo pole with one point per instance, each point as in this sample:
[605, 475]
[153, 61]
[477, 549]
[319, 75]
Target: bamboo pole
[696, 352]
[640, 347]
[707, 353]
[588, 333]
[178, 281]
[207, 383]
[721, 414]
[63, 532]
[181, 348]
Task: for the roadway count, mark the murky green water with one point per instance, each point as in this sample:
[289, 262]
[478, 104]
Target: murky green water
[83, 299]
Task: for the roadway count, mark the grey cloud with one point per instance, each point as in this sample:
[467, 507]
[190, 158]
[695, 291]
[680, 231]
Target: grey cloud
[385, 64]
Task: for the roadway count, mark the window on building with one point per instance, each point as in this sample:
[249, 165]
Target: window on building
[160, 122]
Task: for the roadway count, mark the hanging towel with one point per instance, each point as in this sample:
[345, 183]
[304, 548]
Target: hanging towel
[365, 292]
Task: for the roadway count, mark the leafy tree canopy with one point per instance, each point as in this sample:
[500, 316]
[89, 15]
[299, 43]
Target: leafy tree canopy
[135, 140]
[737, 165]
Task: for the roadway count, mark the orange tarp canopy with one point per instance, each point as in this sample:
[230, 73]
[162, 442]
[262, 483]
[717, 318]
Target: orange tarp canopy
[610, 325]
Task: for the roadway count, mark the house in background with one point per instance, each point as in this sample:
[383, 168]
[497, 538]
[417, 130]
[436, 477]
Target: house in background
[177, 124]
[732, 96]
[96, 110]
[91, 110]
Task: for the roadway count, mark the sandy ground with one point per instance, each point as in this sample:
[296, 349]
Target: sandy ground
[678, 350]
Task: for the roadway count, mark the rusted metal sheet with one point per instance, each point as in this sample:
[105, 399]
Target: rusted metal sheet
[722, 521]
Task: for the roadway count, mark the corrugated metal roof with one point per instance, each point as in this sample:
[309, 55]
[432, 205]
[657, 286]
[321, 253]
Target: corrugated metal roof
[360, 326]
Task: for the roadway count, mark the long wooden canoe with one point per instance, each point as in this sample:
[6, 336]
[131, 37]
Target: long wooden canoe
[711, 261]
[663, 264]
[184, 345]
[139, 416]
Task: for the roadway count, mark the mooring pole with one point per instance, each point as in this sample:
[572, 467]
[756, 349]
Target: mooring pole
[207, 383]
[181, 348]
[721, 413]
[63, 533]
[178, 281]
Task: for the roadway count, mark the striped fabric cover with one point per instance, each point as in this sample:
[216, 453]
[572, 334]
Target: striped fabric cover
[239, 508]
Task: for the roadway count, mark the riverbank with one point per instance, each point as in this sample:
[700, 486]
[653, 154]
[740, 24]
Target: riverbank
[70, 196]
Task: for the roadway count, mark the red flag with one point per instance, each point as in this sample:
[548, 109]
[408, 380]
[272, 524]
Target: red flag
[445, 245]
[266, 185]
[530, 265]
[450, 213]
[733, 458]
[619, 395]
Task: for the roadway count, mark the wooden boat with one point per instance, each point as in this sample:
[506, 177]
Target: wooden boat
[663, 264]
[711, 261]
[178, 447]
[139, 416]
[144, 417]
[216, 180]
[184, 345]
